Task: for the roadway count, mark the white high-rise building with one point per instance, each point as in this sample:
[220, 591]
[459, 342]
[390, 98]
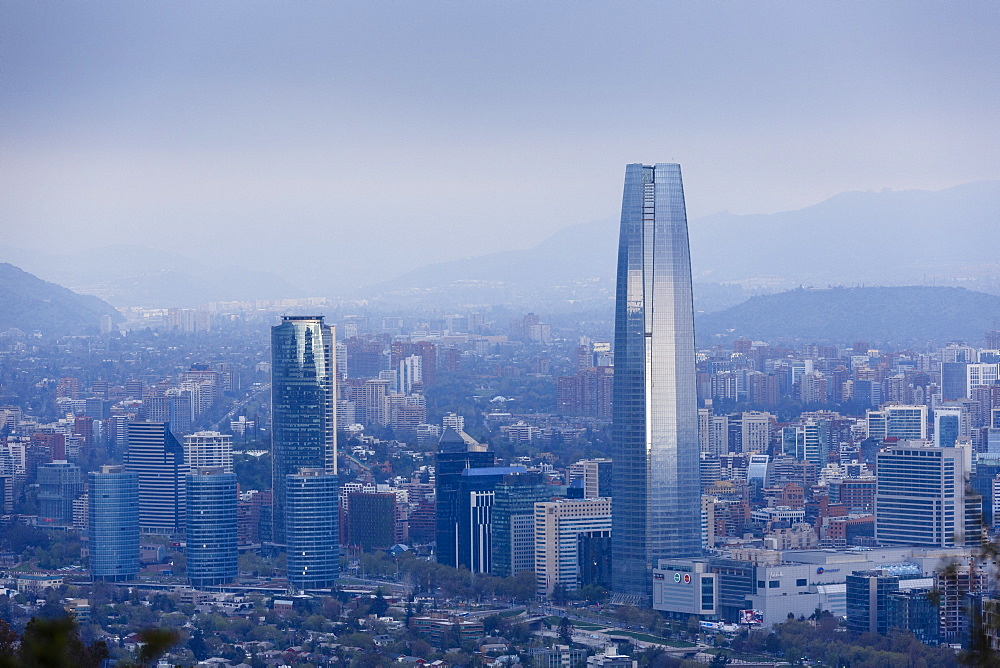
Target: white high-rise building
[559, 527]
[209, 449]
[718, 434]
[595, 473]
[704, 427]
[411, 374]
[453, 420]
[980, 374]
[756, 428]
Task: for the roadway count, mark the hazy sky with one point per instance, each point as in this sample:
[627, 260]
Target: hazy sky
[379, 136]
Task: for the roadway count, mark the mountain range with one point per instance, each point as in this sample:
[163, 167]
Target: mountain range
[30, 304]
[140, 276]
[896, 317]
[947, 237]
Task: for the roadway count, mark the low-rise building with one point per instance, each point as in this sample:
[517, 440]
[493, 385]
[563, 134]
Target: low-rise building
[719, 588]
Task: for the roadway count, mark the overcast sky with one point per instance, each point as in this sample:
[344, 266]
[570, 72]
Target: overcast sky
[379, 136]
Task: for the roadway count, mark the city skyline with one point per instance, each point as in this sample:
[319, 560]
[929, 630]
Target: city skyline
[344, 372]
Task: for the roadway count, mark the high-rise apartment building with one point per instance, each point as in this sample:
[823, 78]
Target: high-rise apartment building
[657, 508]
[980, 374]
[209, 449]
[595, 475]
[211, 526]
[158, 459]
[898, 421]
[560, 528]
[587, 393]
[304, 400]
[311, 528]
[756, 431]
[411, 374]
[114, 523]
[6, 494]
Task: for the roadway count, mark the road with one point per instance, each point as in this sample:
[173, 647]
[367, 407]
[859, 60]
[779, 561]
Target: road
[238, 406]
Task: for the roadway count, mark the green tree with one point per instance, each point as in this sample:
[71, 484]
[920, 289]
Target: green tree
[379, 605]
[8, 644]
[565, 631]
[55, 643]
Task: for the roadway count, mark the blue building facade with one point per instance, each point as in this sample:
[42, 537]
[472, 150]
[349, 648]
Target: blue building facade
[453, 457]
[211, 526]
[59, 483]
[113, 497]
[304, 404]
[655, 449]
[156, 456]
[311, 528]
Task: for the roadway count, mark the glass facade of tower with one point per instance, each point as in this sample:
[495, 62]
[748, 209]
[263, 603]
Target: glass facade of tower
[114, 523]
[59, 483]
[311, 528]
[513, 522]
[158, 458]
[211, 527]
[304, 403]
[655, 480]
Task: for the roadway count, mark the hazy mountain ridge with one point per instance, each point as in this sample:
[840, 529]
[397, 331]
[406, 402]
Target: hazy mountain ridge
[946, 237]
[905, 236]
[29, 304]
[900, 316]
[888, 237]
[140, 276]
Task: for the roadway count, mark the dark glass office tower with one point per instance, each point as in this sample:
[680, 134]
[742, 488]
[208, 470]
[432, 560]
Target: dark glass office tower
[657, 499]
[304, 404]
[156, 456]
[59, 483]
[513, 522]
[454, 456]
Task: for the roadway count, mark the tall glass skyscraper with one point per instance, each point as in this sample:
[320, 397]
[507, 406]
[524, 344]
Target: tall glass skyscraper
[656, 490]
[211, 526]
[114, 523]
[304, 404]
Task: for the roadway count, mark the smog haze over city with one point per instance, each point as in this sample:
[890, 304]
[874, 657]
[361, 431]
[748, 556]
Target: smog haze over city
[462, 334]
[338, 145]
